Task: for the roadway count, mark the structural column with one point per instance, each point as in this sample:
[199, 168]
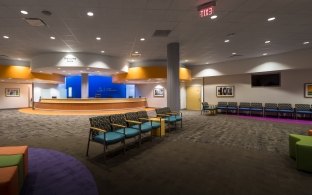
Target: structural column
[84, 85]
[173, 82]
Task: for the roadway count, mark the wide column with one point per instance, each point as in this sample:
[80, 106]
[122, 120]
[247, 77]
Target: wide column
[84, 85]
[173, 82]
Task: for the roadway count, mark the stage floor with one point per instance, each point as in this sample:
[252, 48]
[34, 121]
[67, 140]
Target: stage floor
[81, 112]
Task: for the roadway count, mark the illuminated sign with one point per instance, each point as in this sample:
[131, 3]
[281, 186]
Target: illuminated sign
[206, 9]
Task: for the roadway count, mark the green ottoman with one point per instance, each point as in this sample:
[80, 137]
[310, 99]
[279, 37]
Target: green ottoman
[300, 148]
[14, 160]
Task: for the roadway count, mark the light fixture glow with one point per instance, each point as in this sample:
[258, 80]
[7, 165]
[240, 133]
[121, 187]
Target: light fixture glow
[90, 13]
[59, 68]
[142, 39]
[271, 19]
[24, 12]
[306, 42]
[40, 71]
[185, 60]
[98, 38]
[226, 41]
[264, 54]
[102, 51]
[52, 37]
[213, 17]
[234, 53]
[6, 37]
[267, 42]
[136, 52]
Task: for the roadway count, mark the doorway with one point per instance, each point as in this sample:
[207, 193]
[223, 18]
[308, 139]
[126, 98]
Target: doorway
[193, 98]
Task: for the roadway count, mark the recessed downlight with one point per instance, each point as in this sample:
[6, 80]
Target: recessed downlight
[102, 51]
[90, 13]
[186, 60]
[98, 38]
[267, 42]
[271, 19]
[40, 71]
[226, 41]
[142, 39]
[265, 54]
[24, 12]
[213, 17]
[59, 68]
[306, 42]
[234, 53]
[136, 52]
[52, 37]
[6, 37]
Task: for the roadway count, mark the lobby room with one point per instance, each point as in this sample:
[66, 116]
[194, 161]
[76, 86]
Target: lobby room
[155, 97]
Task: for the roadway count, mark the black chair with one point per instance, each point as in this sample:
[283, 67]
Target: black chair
[303, 109]
[244, 107]
[102, 133]
[120, 124]
[222, 106]
[270, 108]
[285, 109]
[205, 107]
[256, 108]
[232, 107]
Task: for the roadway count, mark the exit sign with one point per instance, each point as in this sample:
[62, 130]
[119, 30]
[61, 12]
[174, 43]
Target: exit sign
[207, 9]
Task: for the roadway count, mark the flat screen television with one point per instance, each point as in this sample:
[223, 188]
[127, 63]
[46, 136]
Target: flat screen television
[266, 80]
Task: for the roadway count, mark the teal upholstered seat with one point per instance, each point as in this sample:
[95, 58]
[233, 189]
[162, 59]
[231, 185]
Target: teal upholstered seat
[145, 127]
[169, 116]
[300, 148]
[129, 132]
[110, 137]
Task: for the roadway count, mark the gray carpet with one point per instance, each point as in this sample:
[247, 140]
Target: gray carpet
[209, 155]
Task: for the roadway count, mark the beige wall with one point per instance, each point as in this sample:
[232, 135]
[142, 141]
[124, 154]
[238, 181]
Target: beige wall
[290, 91]
[146, 90]
[15, 102]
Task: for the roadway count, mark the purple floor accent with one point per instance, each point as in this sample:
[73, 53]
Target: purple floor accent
[53, 172]
[278, 120]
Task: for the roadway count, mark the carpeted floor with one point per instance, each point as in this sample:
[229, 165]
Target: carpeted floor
[209, 155]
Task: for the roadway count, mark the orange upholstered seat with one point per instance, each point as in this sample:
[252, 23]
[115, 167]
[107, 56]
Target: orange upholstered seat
[11, 150]
[9, 180]
[310, 132]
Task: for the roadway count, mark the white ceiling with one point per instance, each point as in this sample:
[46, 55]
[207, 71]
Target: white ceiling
[121, 23]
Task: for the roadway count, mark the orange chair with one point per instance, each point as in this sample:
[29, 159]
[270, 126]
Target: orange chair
[310, 132]
[11, 150]
[9, 180]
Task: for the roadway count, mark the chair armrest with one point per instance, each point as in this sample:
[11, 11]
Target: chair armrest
[117, 125]
[135, 122]
[145, 119]
[164, 115]
[98, 129]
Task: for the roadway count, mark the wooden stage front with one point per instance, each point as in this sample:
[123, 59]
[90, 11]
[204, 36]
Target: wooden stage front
[91, 103]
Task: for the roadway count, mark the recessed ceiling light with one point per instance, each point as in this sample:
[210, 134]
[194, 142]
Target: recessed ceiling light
[185, 60]
[264, 54]
[19, 58]
[40, 71]
[207, 62]
[142, 39]
[271, 19]
[213, 17]
[59, 68]
[52, 38]
[267, 42]
[136, 52]
[98, 38]
[306, 42]
[24, 12]
[226, 41]
[64, 71]
[90, 14]
[102, 51]
[234, 53]
[132, 60]
[6, 37]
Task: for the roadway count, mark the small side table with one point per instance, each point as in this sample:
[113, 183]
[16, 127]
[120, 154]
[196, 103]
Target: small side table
[212, 110]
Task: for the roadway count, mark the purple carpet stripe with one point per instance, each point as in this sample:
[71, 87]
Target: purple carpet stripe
[278, 120]
[53, 172]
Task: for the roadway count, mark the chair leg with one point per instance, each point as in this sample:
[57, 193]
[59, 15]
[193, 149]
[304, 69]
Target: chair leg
[181, 123]
[124, 146]
[87, 154]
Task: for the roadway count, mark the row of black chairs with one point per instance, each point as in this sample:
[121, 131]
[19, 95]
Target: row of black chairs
[116, 128]
[281, 109]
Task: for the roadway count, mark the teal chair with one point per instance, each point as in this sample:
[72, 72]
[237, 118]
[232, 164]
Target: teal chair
[134, 122]
[170, 120]
[300, 148]
[102, 132]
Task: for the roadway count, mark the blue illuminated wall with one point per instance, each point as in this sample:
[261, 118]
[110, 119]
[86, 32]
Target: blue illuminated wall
[103, 87]
[99, 86]
[75, 83]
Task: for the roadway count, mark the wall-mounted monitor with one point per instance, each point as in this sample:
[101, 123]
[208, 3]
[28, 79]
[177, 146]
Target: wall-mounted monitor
[266, 80]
